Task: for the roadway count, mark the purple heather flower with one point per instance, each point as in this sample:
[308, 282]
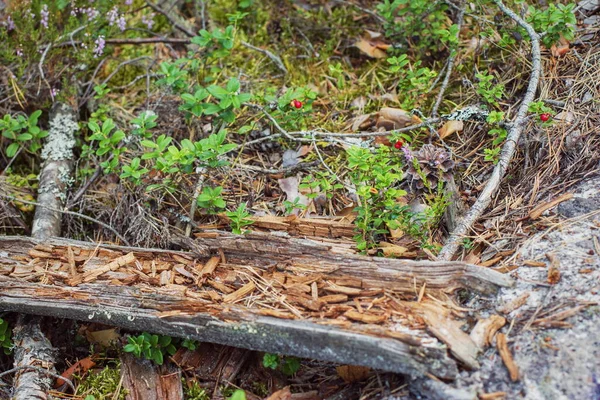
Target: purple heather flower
[44, 14]
[100, 43]
[112, 16]
[148, 20]
[10, 24]
[121, 23]
[407, 154]
[91, 13]
[19, 52]
[54, 92]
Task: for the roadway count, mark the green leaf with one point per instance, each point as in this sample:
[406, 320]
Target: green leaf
[158, 357]
[217, 91]
[93, 125]
[290, 366]
[129, 348]
[270, 360]
[233, 85]
[239, 394]
[210, 109]
[117, 137]
[244, 97]
[12, 149]
[24, 137]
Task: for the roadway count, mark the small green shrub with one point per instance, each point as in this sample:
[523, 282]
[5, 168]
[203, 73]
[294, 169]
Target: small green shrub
[150, 347]
[288, 365]
[5, 337]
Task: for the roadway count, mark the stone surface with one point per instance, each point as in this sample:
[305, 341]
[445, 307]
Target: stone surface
[554, 364]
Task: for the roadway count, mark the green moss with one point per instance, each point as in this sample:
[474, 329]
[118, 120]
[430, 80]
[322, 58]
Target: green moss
[103, 384]
[193, 391]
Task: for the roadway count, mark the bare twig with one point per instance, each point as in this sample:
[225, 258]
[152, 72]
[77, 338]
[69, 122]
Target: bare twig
[171, 19]
[272, 56]
[76, 214]
[42, 370]
[451, 60]
[514, 132]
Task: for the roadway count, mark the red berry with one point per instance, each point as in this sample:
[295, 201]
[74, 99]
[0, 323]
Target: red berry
[296, 103]
[544, 117]
[398, 144]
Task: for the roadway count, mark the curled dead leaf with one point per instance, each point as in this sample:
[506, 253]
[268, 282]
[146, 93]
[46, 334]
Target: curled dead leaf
[372, 45]
[450, 127]
[395, 118]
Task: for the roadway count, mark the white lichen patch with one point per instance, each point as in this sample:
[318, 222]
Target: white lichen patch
[61, 137]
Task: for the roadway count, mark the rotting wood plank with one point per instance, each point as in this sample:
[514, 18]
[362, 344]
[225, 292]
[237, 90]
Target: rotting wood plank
[291, 268]
[136, 309]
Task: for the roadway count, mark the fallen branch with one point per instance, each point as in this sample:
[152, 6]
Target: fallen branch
[32, 348]
[508, 150]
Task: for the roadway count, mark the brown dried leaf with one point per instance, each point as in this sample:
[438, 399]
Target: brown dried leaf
[450, 127]
[390, 249]
[104, 337]
[283, 394]
[361, 122]
[395, 118]
[371, 48]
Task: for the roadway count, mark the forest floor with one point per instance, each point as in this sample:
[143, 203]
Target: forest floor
[308, 134]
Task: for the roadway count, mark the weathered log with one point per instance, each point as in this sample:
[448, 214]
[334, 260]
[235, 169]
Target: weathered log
[200, 313]
[32, 347]
[140, 310]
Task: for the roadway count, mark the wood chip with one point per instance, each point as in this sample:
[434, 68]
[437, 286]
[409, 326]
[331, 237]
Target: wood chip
[533, 263]
[114, 265]
[343, 290]
[492, 396]
[314, 291]
[275, 313]
[512, 305]
[33, 253]
[539, 210]
[181, 270]
[307, 303]
[334, 298]
[366, 318]
[485, 329]
[220, 286]
[240, 293]
[166, 278]
[490, 262]
[553, 269]
[448, 331]
[211, 265]
[507, 358]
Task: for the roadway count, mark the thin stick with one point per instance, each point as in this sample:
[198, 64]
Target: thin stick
[171, 19]
[508, 150]
[272, 56]
[76, 214]
[42, 370]
[451, 60]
